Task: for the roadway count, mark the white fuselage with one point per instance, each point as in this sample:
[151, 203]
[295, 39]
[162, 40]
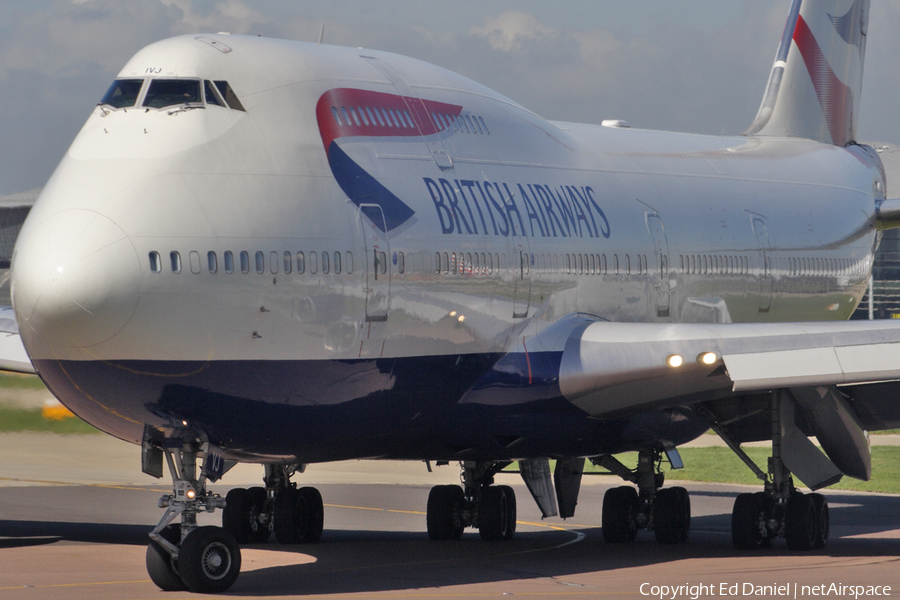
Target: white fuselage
[516, 222]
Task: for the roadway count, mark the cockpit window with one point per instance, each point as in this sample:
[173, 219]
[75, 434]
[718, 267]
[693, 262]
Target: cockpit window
[230, 98]
[170, 92]
[211, 96]
[122, 93]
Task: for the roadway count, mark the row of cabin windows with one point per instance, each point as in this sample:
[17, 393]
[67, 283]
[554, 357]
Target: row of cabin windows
[740, 265]
[702, 264]
[473, 263]
[389, 117]
[461, 123]
[364, 115]
[287, 262]
[824, 266]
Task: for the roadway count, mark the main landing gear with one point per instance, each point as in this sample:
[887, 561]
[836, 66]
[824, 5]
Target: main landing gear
[478, 503]
[780, 510]
[667, 512]
[294, 515]
[183, 555]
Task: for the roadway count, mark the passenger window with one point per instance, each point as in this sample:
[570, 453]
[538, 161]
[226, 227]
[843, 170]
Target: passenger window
[273, 262]
[212, 97]
[229, 262]
[337, 263]
[313, 263]
[409, 120]
[260, 262]
[194, 258]
[401, 263]
[175, 260]
[212, 262]
[228, 94]
[288, 262]
[371, 117]
[382, 261]
[337, 117]
[437, 262]
[155, 262]
[452, 262]
[447, 263]
[469, 268]
[172, 92]
[301, 263]
[355, 120]
[245, 262]
[348, 262]
[325, 266]
[483, 126]
[616, 264]
[490, 258]
[568, 263]
[123, 93]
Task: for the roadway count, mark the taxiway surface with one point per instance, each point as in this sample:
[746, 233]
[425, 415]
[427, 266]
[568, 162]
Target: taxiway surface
[64, 537]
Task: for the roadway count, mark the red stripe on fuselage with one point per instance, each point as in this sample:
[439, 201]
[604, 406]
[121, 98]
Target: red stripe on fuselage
[373, 115]
[835, 98]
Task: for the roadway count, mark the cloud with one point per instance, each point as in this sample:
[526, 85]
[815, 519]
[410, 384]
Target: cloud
[511, 29]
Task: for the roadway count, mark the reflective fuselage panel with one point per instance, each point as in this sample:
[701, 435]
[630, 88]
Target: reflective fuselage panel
[322, 257]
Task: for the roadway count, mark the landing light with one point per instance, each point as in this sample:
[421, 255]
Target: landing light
[191, 494]
[674, 360]
[707, 358]
[462, 318]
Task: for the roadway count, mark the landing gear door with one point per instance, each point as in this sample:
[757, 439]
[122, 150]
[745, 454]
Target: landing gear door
[765, 271]
[661, 269]
[521, 264]
[378, 273]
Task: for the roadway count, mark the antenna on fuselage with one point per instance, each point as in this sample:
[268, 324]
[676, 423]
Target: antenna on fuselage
[321, 35]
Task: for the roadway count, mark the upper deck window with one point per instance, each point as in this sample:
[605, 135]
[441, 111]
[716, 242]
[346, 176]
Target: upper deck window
[122, 93]
[171, 92]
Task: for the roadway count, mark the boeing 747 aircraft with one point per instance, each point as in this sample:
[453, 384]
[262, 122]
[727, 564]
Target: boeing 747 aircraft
[285, 253]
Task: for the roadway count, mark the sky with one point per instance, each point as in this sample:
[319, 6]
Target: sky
[681, 65]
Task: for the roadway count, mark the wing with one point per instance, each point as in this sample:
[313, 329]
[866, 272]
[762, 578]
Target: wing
[607, 368]
[840, 379]
[13, 356]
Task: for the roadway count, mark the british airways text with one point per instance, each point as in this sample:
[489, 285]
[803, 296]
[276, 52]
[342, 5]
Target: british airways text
[471, 207]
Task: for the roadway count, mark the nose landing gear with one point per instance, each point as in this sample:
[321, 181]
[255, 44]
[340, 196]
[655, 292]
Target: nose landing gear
[183, 555]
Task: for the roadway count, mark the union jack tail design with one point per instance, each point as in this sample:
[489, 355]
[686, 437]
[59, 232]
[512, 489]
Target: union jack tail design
[815, 84]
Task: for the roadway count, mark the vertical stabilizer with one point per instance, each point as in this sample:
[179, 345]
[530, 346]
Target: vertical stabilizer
[815, 84]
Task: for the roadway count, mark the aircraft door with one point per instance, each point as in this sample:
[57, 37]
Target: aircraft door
[522, 281]
[765, 273]
[661, 270]
[378, 272]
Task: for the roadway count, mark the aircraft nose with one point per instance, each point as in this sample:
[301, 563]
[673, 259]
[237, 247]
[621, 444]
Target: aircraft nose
[75, 280]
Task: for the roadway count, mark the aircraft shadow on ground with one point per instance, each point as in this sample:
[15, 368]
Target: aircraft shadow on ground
[349, 561]
[17, 534]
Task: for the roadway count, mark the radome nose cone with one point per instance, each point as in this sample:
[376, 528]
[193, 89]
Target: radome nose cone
[76, 280]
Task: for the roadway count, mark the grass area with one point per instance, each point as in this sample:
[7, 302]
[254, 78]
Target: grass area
[20, 381]
[14, 419]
